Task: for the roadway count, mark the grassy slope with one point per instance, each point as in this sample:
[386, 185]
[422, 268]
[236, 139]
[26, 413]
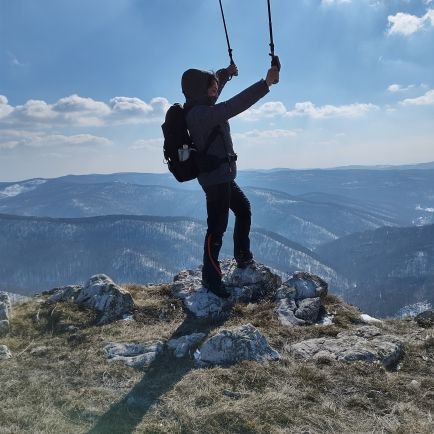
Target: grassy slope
[60, 382]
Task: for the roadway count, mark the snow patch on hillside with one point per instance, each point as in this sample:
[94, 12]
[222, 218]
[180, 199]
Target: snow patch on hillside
[22, 187]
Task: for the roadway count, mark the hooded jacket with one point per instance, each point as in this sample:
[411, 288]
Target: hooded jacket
[204, 115]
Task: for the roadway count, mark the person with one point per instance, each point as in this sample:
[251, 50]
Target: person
[209, 128]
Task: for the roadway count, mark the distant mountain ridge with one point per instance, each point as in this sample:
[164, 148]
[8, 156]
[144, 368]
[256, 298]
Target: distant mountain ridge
[42, 253]
[390, 267]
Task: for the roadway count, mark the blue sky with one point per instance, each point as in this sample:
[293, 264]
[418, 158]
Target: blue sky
[84, 84]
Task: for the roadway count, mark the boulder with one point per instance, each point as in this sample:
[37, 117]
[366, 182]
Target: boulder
[4, 352]
[4, 314]
[99, 293]
[285, 311]
[4, 298]
[233, 346]
[307, 285]
[425, 319]
[299, 300]
[252, 283]
[4, 311]
[65, 293]
[367, 344]
[183, 345]
[134, 355]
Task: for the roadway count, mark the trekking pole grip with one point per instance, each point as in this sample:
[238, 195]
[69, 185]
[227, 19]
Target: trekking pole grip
[275, 62]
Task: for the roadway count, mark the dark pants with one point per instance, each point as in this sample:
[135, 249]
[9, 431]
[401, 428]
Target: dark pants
[219, 199]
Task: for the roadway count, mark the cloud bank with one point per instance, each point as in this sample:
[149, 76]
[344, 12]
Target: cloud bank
[407, 24]
[75, 110]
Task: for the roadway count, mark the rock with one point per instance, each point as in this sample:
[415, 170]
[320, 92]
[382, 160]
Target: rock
[367, 319]
[366, 344]
[4, 311]
[233, 346]
[102, 294]
[253, 283]
[134, 355]
[66, 293]
[414, 384]
[181, 346]
[4, 327]
[249, 284]
[203, 303]
[4, 352]
[299, 300]
[4, 298]
[308, 309]
[425, 319]
[285, 311]
[307, 285]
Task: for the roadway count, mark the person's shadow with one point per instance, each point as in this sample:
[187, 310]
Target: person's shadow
[164, 372]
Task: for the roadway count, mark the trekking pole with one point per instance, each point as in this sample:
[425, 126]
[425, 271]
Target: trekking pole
[274, 59]
[227, 37]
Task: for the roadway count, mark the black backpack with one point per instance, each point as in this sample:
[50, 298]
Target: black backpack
[181, 156]
[177, 140]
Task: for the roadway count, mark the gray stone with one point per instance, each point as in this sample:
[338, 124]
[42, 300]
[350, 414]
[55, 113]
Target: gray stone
[134, 355]
[183, 345]
[4, 327]
[249, 284]
[66, 293]
[5, 353]
[364, 344]
[4, 298]
[4, 311]
[203, 303]
[102, 294]
[233, 346]
[285, 311]
[252, 283]
[307, 285]
[308, 309]
[425, 319]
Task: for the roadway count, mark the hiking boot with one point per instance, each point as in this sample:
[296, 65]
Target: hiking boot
[244, 259]
[218, 288]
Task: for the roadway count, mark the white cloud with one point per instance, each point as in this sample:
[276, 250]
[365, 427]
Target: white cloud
[330, 111]
[333, 2]
[75, 110]
[406, 24]
[394, 88]
[261, 135]
[11, 139]
[149, 144]
[267, 110]
[306, 108]
[5, 108]
[427, 99]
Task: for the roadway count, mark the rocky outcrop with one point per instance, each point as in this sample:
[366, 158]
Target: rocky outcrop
[134, 355]
[4, 352]
[425, 319]
[250, 284]
[299, 299]
[233, 346]
[4, 313]
[184, 345]
[99, 293]
[366, 343]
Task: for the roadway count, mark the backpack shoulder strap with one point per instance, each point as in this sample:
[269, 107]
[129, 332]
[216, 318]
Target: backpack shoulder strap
[213, 135]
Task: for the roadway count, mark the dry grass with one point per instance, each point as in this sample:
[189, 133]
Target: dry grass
[60, 382]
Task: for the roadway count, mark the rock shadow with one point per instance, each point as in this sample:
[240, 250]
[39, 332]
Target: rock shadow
[160, 377]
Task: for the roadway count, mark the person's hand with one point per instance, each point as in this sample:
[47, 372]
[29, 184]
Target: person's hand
[272, 76]
[232, 70]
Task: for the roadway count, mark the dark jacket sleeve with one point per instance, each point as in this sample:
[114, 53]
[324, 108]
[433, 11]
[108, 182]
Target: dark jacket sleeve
[210, 116]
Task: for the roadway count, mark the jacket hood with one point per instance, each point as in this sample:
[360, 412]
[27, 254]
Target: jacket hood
[195, 84]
